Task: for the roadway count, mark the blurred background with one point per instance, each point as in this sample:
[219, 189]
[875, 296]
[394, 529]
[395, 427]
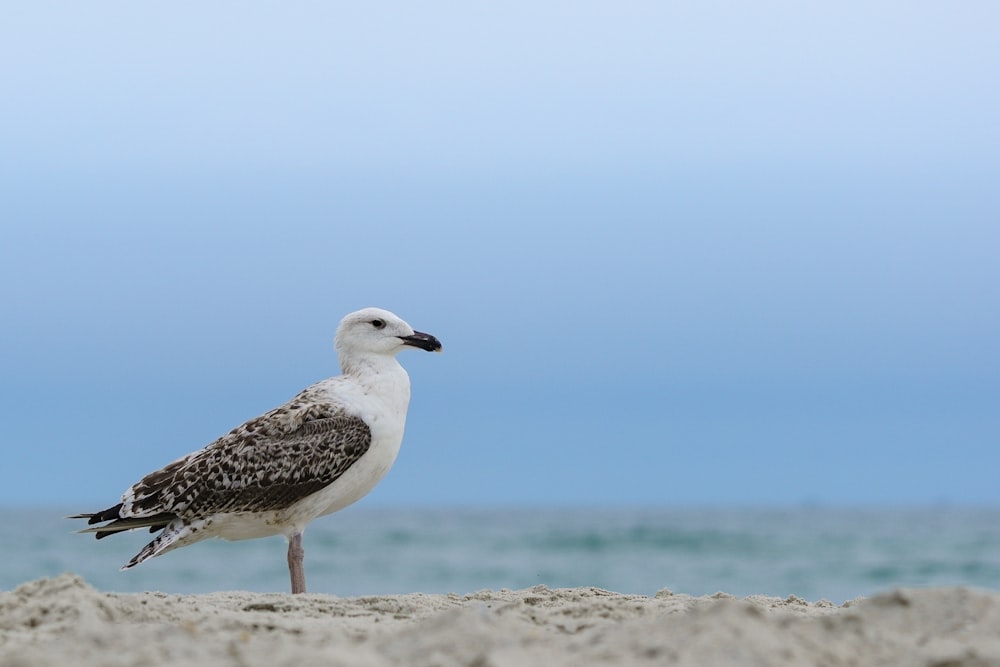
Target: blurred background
[680, 255]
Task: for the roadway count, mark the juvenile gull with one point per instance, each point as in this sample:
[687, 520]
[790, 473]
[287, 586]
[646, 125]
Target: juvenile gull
[323, 450]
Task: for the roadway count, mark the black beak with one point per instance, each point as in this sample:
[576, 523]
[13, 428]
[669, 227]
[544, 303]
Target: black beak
[423, 341]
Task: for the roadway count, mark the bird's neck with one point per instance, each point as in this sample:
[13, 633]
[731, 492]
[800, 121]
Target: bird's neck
[383, 372]
[369, 365]
[381, 379]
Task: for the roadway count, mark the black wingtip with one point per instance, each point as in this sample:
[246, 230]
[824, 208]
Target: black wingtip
[97, 517]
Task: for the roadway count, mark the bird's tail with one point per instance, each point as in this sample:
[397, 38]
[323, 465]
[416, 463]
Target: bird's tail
[117, 523]
[173, 536]
[176, 531]
[104, 515]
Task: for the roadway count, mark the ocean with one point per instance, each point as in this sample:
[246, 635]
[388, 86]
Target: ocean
[811, 552]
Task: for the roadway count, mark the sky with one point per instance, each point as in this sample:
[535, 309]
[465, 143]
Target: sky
[679, 254]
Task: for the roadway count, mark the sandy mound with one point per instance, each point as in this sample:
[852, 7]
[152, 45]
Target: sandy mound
[63, 621]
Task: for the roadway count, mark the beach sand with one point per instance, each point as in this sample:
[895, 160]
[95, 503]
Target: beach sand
[64, 621]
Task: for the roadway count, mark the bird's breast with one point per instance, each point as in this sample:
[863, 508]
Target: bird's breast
[383, 409]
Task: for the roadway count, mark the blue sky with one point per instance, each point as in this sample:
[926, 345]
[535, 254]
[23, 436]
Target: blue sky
[678, 253]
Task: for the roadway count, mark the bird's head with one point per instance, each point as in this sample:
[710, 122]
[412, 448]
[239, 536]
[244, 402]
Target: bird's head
[379, 332]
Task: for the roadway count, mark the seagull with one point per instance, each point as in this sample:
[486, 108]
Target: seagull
[316, 454]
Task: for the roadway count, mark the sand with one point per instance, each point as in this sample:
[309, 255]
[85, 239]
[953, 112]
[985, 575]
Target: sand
[64, 621]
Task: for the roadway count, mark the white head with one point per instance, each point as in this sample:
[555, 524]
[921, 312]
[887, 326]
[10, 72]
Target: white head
[376, 332]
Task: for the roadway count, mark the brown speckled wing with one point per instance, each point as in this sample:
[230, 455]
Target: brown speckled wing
[269, 463]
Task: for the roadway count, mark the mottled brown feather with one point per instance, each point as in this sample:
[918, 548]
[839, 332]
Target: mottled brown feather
[249, 476]
[269, 463]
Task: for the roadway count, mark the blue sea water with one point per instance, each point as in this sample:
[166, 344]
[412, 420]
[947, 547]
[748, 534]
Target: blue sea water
[814, 553]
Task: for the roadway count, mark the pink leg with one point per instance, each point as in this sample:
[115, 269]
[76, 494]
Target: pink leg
[295, 567]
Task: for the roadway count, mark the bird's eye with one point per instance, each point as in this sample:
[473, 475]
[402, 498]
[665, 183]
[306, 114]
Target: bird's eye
[378, 324]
